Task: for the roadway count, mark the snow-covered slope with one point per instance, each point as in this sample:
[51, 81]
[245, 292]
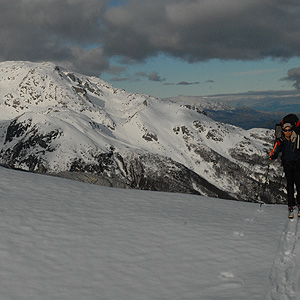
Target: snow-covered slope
[56, 121]
[62, 239]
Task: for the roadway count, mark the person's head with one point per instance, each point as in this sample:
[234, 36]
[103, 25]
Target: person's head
[287, 130]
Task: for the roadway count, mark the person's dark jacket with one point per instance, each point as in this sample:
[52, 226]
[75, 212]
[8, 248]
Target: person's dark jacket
[290, 152]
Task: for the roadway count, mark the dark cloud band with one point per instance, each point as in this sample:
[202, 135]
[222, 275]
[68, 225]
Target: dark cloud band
[85, 34]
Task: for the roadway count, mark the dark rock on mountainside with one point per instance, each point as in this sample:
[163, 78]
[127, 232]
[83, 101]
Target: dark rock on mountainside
[136, 171]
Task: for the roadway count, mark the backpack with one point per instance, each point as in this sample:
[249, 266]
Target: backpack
[292, 119]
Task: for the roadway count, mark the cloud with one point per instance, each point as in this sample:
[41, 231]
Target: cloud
[88, 59]
[85, 34]
[116, 70]
[255, 72]
[54, 30]
[153, 76]
[197, 30]
[187, 83]
[120, 79]
[293, 75]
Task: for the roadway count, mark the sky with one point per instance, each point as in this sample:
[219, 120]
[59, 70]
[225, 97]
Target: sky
[163, 48]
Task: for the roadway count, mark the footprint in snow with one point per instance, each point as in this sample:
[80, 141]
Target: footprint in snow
[229, 280]
[237, 233]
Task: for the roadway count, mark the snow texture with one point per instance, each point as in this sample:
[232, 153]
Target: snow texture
[63, 239]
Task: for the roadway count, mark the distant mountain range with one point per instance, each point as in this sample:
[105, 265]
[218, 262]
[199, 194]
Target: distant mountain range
[58, 122]
[245, 110]
[267, 101]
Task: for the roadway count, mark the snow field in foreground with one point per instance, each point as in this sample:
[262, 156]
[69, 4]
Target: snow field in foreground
[62, 239]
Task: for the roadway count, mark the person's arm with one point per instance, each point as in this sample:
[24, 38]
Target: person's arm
[275, 152]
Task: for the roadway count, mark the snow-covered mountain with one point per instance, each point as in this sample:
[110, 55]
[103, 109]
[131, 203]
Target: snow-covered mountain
[60, 122]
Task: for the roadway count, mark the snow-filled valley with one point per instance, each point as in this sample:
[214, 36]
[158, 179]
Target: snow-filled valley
[63, 239]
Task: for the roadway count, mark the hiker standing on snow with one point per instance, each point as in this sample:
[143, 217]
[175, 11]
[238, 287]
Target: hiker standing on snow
[288, 143]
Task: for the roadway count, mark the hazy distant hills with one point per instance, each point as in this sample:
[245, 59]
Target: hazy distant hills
[246, 117]
[248, 110]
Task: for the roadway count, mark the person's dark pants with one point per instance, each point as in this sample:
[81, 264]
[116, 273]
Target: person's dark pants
[292, 174]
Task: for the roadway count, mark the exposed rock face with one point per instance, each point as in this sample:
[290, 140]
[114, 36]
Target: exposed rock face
[58, 122]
